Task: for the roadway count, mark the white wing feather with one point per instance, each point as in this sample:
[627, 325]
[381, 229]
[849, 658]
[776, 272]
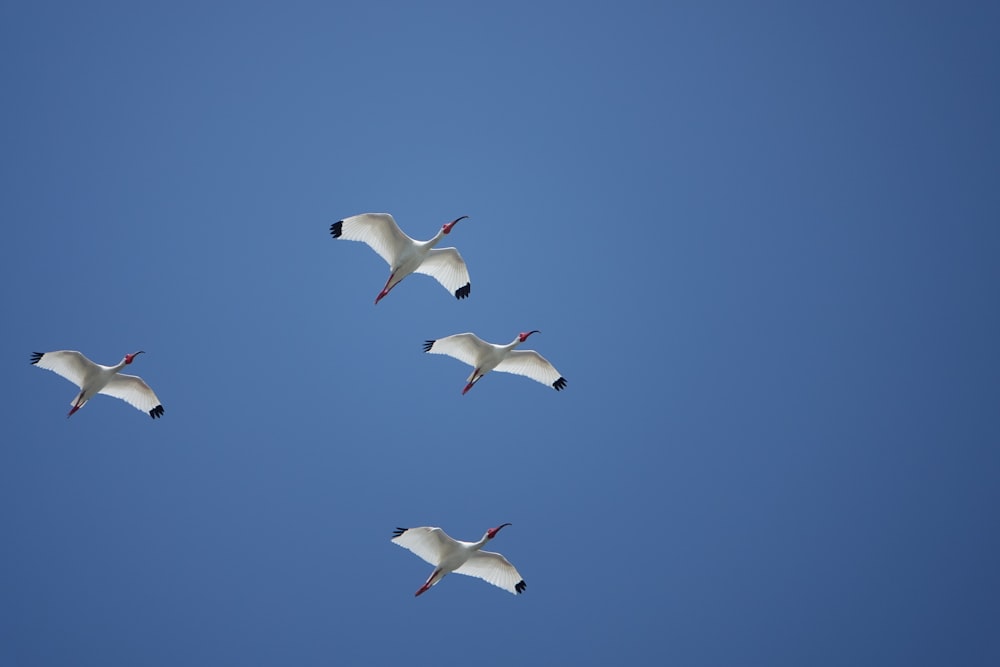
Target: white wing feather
[379, 231]
[466, 347]
[429, 543]
[492, 568]
[69, 364]
[529, 364]
[447, 267]
[133, 390]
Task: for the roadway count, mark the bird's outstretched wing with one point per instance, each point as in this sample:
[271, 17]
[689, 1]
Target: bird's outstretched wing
[428, 542]
[533, 365]
[134, 391]
[70, 364]
[466, 347]
[494, 569]
[447, 267]
[378, 230]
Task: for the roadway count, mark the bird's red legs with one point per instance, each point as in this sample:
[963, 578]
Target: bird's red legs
[75, 408]
[385, 290]
[427, 584]
[474, 381]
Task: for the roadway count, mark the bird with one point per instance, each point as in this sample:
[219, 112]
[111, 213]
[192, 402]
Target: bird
[485, 357]
[93, 379]
[450, 555]
[405, 255]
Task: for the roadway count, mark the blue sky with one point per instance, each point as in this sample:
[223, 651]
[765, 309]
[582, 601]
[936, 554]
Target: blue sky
[760, 241]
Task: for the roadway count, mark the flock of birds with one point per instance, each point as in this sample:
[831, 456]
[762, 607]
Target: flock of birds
[404, 256]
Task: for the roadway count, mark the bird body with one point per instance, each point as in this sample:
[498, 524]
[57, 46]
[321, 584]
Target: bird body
[485, 357]
[93, 379]
[450, 555]
[406, 255]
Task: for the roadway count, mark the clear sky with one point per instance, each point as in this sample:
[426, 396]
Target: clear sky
[760, 241]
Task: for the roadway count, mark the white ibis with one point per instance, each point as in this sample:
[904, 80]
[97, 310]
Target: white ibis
[93, 379]
[485, 357]
[450, 555]
[405, 255]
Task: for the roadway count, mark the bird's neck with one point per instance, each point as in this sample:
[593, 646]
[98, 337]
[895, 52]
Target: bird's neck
[437, 238]
[481, 543]
[121, 364]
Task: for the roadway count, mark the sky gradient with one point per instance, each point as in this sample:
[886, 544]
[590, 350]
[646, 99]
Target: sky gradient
[759, 241]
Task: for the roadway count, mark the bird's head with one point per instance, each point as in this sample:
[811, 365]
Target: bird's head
[130, 357]
[492, 532]
[448, 225]
[523, 336]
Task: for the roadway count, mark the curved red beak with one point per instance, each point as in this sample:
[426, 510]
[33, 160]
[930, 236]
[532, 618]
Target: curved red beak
[130, 357]
[492, 532]
[449, 225]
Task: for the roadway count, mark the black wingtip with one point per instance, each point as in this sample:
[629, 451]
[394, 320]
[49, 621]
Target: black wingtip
[399, 531]
[559, 384]
[336, 229]
[463, 291]
[36, 357]
[520, 586]
[156, 412]
[428, 344]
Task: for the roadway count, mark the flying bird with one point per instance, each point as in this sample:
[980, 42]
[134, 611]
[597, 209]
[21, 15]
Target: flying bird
[405, 255]
[93, 379]
[450, 555]
[485, 357]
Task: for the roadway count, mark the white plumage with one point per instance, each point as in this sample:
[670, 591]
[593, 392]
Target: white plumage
[485, 357]
[93, 379]
[450, 555]
[405, 255]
